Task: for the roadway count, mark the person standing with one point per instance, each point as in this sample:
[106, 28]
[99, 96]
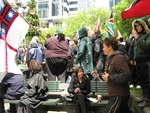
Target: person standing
[37, 90]
[117, 77]
[73, 48]
[97, 47]
[80, 88]
[84, 57]
[56, 55]
[142, 58]
[121, 46]
[130, 44]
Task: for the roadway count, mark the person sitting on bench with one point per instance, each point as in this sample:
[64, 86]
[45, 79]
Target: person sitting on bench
[80, 88]
[37, 89]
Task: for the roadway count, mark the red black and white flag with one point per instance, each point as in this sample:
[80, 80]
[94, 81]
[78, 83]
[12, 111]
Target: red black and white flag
[136, 9]
[13, 29]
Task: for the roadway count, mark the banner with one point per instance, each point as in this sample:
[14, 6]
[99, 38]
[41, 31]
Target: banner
[110, 27]
[136, 9]
[13, 29]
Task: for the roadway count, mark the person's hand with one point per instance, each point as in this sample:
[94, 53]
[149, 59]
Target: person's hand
[132, 62]
[94, 74]
[105, 76]
[77, 90]
[135, 34]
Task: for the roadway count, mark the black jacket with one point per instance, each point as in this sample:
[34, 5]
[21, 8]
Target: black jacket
[84, 86]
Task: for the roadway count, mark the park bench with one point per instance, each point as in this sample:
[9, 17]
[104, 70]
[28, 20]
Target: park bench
[99, 88]
[55, 101]
[51, 101]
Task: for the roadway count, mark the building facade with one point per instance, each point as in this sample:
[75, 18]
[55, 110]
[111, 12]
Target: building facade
[113, 2]
[51, 11]
[73, 6]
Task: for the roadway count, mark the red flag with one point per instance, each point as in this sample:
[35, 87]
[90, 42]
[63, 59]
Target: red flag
[12, 31]
[97, 25]
[137, 8]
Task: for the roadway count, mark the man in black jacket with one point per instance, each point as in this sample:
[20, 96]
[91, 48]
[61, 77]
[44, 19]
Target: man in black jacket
[97, 47]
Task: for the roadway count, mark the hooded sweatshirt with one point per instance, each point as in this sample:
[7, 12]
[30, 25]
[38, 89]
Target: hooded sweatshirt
[84, 55]
[119, 75]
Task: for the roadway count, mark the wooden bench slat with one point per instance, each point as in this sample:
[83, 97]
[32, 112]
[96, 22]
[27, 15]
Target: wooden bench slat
[11, 101]
[102, 103]
[47, 102]
[98, 87]
[51, 101]
[53, 86]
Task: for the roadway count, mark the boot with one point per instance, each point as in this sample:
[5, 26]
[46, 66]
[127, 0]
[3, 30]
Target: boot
[145, 103]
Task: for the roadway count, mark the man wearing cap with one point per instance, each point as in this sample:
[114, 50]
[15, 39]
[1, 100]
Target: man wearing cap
[142, 58]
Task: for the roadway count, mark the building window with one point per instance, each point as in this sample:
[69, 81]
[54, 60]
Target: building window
[73, 3]
[73, 9]
[43, 9]
[55, 9]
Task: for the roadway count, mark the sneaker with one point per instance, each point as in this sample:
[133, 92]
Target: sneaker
[138, 86]
[131, 86]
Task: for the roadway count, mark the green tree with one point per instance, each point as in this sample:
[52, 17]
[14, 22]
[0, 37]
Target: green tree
[123, 26]
[33, 19]
[75, 22]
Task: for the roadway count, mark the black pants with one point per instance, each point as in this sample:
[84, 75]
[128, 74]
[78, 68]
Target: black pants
[80, 101]
[117, 104]
[143, 72]
[56, 67]
[134, 78]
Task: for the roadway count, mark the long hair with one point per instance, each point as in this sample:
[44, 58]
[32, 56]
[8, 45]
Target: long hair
[61, 37]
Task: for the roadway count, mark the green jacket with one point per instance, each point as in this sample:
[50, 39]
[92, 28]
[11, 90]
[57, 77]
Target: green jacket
[142, 45]
[84, 55]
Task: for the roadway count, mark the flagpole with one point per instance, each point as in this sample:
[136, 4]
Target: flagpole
[24, 19]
